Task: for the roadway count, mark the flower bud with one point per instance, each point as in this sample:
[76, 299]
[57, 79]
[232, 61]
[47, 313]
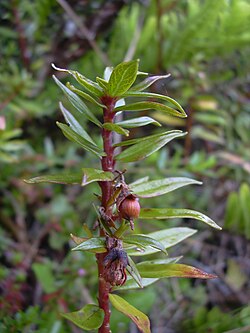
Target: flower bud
[130, 208]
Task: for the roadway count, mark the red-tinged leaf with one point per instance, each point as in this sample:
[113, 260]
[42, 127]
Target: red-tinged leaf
[149, 270]
[78, 240]
[138, 317]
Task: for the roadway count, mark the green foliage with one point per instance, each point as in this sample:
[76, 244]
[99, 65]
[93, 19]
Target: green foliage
[89, 317]
[237, 216]
[217, 321]
[206, 49]
[122, 78]
[139, 318]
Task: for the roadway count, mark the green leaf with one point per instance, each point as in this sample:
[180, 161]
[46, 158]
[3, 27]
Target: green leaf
[148, 82]
[122, 78]
[74, 124]
[167, 237]
[181, 112]
[145, 138]
[133, 271]
[116, 128]
[138, 122]
[95, 175]
[139, 318]
[85, 82]
[143, 241]
[142, 106]
[102, 83]
[147, 146]
[84, 95]
[90, 317]
[131, 284]
[139, 181]
[95, 244]
[74, 137]
[168, 213]
[158, 187]
[64, 178]
[77, 102]
[148, 270]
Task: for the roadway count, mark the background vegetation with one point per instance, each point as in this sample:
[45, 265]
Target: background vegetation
[205, 47]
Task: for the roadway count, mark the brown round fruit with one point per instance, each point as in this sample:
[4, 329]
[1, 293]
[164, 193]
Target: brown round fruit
[130, 208]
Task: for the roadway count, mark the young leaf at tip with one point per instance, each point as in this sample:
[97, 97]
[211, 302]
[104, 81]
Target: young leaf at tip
[122, 78]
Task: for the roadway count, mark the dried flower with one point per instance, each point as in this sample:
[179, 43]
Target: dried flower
[115, 263]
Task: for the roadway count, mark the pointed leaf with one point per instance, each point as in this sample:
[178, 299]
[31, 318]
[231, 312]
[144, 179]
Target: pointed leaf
[84, 95]
[164, 261]
[138, 122]
[95, 175]
[167, 237]
[116, 128]
[147, 146]
[181, 112]
[95, 244]
[142, 106]
[74, 124]
[145, 138]
[139, 318]
[90, 317]
[74, 178]
[133, 271]
[148, 82]
[102, 83]
[139, 181]
[122, 78]
[78, 240]
[74, 137]
[77, 102]
[168, 213]
[155, 188]
[85, 82]
[143, 241]
[172, 270]
[131, 284]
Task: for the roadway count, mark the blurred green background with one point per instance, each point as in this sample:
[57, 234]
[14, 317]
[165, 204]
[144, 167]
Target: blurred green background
[204, 44]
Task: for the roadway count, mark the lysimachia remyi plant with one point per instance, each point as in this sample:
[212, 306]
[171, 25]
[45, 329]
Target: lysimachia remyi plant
[116, 242]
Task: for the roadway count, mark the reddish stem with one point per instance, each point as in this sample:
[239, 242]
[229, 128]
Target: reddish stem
[108, 164]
